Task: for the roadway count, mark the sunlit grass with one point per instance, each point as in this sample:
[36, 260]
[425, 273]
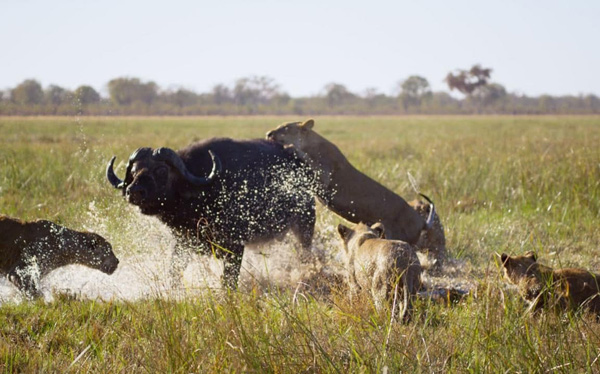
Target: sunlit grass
[500, 184]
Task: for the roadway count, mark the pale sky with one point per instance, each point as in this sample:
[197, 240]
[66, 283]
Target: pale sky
[533, 47]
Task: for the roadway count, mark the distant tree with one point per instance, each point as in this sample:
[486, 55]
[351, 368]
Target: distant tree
[182, 97]
[442, 102]
[592, 103]
[281, 99]
[413, 90]
[86, 95]
[27, 93]
[370, 95]
[125, 91]
[375, 99]
[56, 95]
[245, 93]
[221, 94]
[337, 94]
[443, 98]
[466, 81]
[255, 90]
[488, 94]
[547, 104]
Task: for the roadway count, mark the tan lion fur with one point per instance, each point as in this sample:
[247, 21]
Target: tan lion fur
[389, 269]
[30, 250]
[344, 189]
[541, 286]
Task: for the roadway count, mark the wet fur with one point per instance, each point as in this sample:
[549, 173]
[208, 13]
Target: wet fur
[31, 250]
[261, 193]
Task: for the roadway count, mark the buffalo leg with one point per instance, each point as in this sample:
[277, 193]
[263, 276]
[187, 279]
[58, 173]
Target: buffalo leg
[304, 229]
[233, 265]
[180, 258]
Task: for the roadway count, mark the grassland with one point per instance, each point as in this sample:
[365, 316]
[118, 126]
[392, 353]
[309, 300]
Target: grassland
[501, 184]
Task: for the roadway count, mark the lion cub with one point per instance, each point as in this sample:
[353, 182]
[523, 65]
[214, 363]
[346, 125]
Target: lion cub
[542, 286]
[382, 266]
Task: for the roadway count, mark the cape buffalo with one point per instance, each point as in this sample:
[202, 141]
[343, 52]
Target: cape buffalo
[219, 194]
[30, 250]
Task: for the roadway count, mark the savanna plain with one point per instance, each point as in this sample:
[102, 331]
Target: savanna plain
[500, 184]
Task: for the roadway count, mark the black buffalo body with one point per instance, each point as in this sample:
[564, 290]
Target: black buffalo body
[219, 194]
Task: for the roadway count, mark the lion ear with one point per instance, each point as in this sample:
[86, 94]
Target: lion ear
[308, 124]
[379, 229]
[531, 255]
[345, 232]
[504, 258]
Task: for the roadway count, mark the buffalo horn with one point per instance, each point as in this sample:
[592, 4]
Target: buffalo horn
[112, 177]
[169, 156]
[110, 173]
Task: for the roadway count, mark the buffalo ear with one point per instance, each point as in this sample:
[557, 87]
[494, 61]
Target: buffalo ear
[379, 229]
[531, 255]
[308, 124]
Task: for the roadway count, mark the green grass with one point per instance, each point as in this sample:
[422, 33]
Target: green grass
[501, 184]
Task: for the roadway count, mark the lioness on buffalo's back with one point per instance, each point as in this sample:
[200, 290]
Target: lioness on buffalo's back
[220, 194]
[350, 193]
[541, 286]
[381, 266]
[31, 250]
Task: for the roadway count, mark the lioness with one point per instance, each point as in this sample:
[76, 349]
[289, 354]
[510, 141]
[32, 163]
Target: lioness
[348, 192]
[30, 250]
[542, 286]
[381, 266]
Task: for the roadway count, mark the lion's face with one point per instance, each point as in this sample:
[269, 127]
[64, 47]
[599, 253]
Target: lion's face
[291, 134]
[355, 236]
[518, 268]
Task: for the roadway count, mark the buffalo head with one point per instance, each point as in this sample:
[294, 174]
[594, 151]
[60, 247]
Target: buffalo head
[150, 176]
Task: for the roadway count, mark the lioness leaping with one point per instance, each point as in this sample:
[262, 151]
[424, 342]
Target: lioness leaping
[350, 193]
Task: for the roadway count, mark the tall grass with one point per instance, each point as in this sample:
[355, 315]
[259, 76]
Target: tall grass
[501, 184]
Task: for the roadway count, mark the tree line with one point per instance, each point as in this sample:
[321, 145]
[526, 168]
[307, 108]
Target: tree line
[262, 95]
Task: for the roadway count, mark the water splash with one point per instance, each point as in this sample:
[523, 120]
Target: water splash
[144, 250]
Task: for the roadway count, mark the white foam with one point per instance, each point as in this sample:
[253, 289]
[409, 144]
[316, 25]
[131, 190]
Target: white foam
[144, 250]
